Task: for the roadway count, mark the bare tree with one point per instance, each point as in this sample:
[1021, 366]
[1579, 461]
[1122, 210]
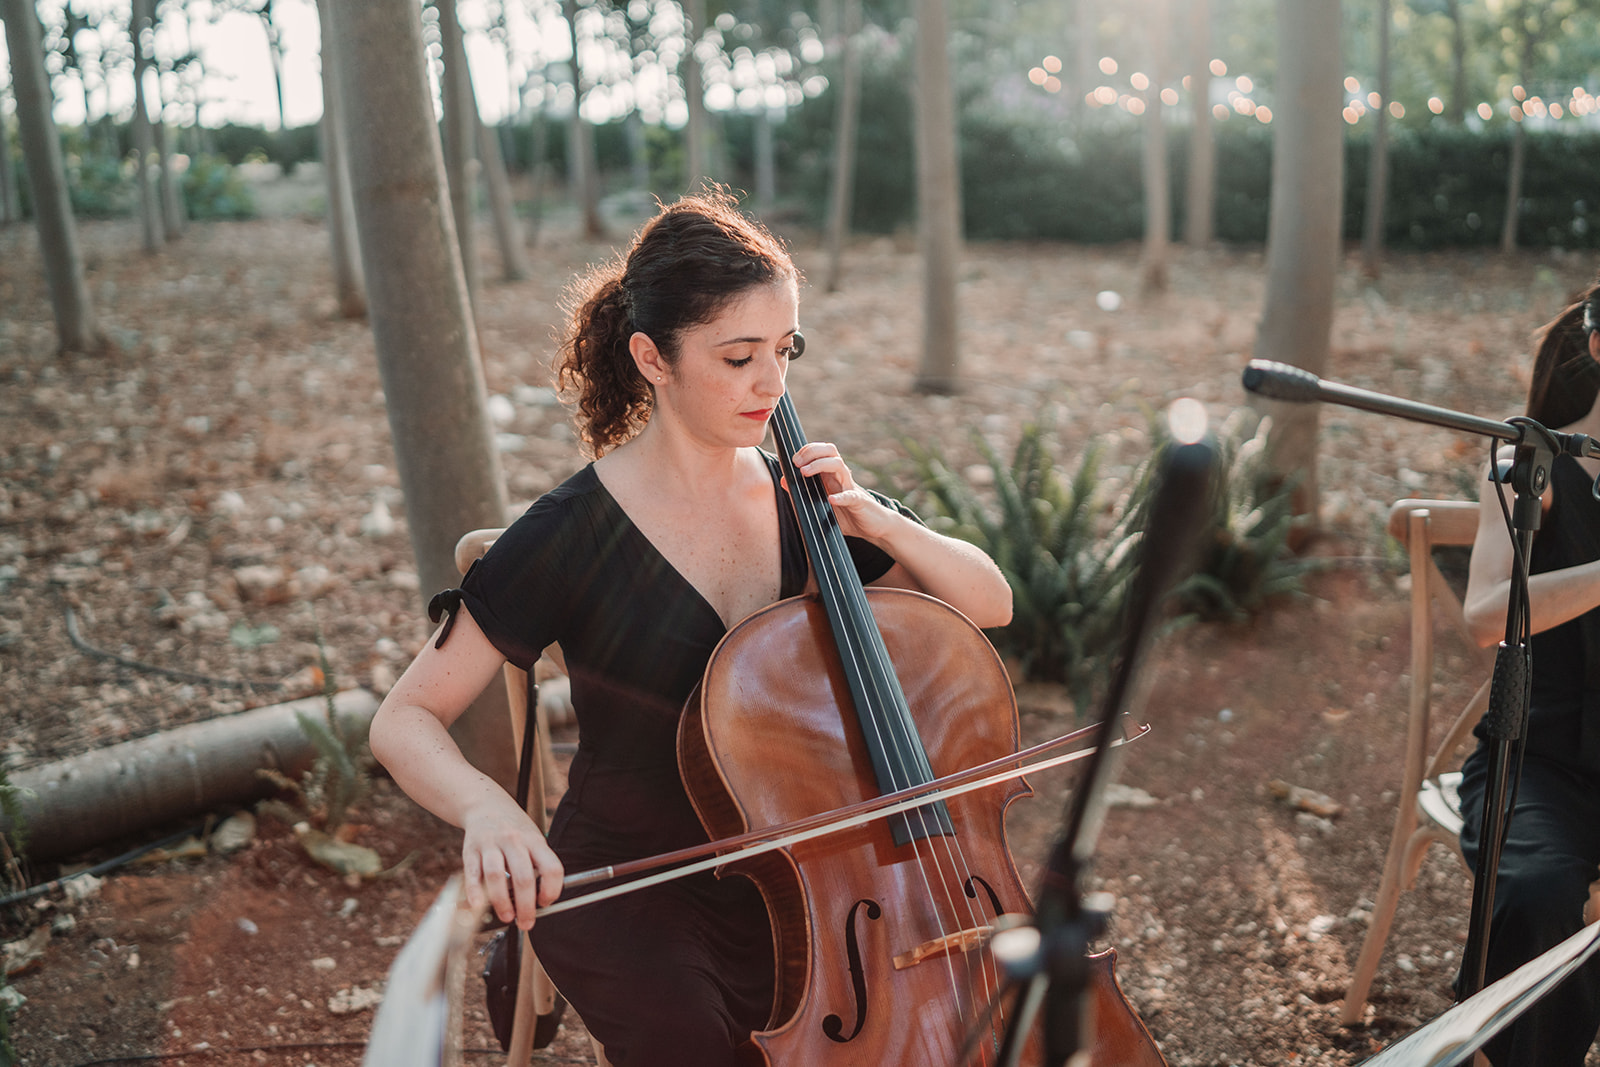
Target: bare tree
[1154, 260]
[460, 139]
[274, 53]
[348, 280]
[846, 123]
[1200, 195]
[1458, 62]
[1084, 71]
[697, 131]
[1378, 162]
[10, 203]
[47, 179]
[143, 135]
[584, 167]
[938, 199]
[426, 346]
[502, 206]
[1303, 231]
[1527, 34]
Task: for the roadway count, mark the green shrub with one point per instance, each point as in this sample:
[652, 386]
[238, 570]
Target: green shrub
[1066, 545]
[1062, 546]
[1244, 559]
[100, 187]
[212, 189]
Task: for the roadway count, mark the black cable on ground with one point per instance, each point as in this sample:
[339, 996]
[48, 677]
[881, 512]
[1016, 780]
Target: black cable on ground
[102, 867]
[150, 668]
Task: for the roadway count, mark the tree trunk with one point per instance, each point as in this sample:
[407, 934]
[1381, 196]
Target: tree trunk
[846, 122]
[1458, 63]
[1200, 196]
[460, 139]
[502, 206]
[426, 346]
[638, 153]
[10, 203]
[766, 164]
[1085, 75]
[1303, 231]
[275, 56]
[47, 179]
[938, 199]
[1153, 265]
[539, 167]
[125, 789]
[585, 168]
[697, 131]
[143, 137]
[1378, 162]
[349, 284]
[173, 216]
[1519, 151]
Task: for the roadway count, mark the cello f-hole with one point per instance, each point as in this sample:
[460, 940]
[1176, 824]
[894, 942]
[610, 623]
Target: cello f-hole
[971, 891]
[833, 1025]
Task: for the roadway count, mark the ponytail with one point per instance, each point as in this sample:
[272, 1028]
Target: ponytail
[596, 369]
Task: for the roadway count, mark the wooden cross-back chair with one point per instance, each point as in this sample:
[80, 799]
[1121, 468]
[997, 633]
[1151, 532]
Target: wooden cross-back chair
[1429, 810]
[536, 994]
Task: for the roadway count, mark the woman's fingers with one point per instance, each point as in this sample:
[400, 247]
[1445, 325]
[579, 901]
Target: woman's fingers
[822, 458]
[509, 867]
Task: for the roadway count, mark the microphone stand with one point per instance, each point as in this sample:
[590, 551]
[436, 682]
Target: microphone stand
[1047, 958]
[1505, 721]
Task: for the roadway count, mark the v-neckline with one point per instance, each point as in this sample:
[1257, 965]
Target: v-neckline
[785, 546]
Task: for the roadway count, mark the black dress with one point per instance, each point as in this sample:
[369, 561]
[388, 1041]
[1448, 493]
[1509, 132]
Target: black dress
[1552, 849]
[681, 973]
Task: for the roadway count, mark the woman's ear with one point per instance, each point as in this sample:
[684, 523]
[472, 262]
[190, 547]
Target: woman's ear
[1594, 345]
[647, 357]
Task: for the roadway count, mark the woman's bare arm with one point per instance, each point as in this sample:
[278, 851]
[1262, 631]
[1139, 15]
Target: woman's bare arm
[411, 738]
[1554, 597]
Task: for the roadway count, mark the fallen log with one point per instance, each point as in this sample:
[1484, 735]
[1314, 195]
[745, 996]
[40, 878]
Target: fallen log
[113, 792]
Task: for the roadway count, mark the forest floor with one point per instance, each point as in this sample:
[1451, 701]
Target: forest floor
[237, 431]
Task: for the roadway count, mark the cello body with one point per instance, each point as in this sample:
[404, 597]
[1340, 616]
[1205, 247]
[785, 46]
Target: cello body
[770, 738]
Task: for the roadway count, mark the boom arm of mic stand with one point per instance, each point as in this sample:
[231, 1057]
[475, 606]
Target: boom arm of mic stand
[1281, 381]
[1506, 722]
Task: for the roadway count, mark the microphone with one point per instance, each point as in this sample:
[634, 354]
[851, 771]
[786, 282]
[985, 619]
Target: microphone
[1280, 381]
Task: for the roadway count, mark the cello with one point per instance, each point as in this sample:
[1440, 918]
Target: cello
[881, 931]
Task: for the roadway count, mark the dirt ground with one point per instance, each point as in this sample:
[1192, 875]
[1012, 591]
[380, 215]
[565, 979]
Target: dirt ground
[237, 431]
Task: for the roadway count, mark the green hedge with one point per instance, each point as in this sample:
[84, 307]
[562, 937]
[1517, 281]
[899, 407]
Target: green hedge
[1023, 178]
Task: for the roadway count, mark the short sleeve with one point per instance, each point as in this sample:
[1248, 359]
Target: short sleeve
[871, 561]
[517, 590]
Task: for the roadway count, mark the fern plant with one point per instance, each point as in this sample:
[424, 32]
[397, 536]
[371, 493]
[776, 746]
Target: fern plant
[1244, 559]
[1062, 546]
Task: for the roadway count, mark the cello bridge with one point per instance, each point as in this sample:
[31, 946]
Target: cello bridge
[948, 945]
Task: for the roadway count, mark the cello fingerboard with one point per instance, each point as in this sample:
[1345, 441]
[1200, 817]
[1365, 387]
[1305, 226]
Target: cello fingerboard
[899, 759]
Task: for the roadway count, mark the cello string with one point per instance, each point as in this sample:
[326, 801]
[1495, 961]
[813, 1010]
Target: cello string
[881, 675]
[876, 675]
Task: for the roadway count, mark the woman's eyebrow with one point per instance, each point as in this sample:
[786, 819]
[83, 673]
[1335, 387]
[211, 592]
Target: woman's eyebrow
[751, 340]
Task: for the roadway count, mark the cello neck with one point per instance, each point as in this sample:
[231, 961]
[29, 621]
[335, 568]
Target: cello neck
[898, 758]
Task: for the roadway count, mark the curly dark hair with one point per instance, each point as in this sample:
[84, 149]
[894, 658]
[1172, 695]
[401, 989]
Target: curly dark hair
[683, 267]
[1565, 377]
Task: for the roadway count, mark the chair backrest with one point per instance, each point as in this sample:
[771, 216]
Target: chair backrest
[1422, 526]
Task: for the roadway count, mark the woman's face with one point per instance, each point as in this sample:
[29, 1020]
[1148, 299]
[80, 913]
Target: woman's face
[730, 371]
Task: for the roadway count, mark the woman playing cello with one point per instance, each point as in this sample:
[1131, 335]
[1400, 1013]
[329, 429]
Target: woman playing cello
[630, 572]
